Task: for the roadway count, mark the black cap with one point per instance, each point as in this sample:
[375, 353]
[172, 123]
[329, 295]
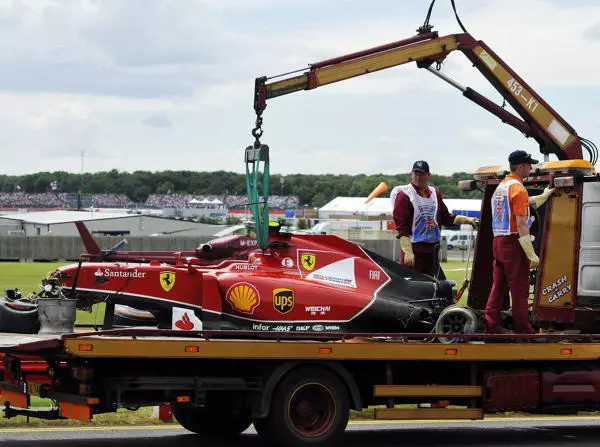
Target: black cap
[518, 157]
[421, 166]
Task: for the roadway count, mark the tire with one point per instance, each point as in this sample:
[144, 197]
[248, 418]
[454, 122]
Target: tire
[457, 320]
[450, 247]
[310, 406]
[130, 316]
[205, 421]
[18, 321]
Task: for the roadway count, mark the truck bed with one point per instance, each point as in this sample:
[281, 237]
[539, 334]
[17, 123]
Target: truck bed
[152, 343]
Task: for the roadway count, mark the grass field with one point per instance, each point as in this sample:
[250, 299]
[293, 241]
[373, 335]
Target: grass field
[27, 277]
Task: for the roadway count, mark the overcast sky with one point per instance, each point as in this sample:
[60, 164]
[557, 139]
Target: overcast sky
[167, 85]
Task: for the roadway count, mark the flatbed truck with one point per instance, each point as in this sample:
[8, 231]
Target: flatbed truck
[297, 392]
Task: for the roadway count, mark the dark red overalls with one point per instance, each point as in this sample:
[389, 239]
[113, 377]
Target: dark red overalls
[511, 265]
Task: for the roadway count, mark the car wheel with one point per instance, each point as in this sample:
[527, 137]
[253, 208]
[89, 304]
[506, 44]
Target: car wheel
[18, 321]
[457, 320]
[130, 316]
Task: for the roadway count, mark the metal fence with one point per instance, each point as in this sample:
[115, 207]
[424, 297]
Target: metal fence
[40, 248]
[33, 248]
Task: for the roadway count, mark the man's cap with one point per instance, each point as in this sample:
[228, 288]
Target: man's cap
[421, 166]
[518, 157]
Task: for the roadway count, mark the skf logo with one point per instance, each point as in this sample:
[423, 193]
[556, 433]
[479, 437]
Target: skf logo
[283, 300]
[167, 280]
[243, 297]
[308, 261]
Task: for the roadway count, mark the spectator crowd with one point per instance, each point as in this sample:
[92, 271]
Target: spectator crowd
[230, 201]
[66, 200]
[60, 200]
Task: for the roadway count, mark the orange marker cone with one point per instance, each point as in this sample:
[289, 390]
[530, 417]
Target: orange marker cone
[381, 188]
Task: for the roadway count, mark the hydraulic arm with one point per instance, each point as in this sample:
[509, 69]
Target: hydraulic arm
[538, 120]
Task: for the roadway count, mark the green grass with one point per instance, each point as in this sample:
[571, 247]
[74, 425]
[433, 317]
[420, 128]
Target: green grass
[143, 416]
[27, 277]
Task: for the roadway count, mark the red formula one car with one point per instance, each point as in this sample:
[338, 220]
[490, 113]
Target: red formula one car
[300, 283]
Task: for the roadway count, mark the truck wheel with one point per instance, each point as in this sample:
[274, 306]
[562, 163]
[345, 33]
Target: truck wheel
[310, 407]
[262, 427]
[210, 422]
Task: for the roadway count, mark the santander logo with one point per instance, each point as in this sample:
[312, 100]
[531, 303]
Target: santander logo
[185, 324]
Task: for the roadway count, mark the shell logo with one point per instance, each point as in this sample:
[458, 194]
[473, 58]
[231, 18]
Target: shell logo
[243, 297]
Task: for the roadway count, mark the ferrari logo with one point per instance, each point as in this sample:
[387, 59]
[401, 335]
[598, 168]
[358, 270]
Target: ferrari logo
[308, 261]
[167, 280]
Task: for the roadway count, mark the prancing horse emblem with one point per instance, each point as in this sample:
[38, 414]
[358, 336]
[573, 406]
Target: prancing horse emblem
[308, 261]
[167, 280]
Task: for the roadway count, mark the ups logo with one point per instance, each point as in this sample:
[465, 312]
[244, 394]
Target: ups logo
[283, 300]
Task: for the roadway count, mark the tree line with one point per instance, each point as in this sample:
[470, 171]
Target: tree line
[311, 190]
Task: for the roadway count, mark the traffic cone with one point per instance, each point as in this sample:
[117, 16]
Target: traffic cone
[381, 188]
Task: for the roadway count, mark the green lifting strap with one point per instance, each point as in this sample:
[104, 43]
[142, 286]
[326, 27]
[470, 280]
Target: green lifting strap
[257, 201]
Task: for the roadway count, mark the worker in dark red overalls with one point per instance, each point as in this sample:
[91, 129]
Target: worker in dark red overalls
[419, 212]
[513, 251]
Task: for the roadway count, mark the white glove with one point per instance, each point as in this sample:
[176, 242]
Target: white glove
[406, 247]
[527, 246]
[541, 199]
[473, 221]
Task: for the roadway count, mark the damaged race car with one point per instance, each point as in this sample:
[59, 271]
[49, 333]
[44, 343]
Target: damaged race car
[301, 283]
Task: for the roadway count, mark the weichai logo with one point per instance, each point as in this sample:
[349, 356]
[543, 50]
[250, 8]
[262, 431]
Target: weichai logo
[283, 300]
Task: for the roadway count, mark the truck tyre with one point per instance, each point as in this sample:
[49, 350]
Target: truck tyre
[210, 422]
[310, 406]
[262, 427]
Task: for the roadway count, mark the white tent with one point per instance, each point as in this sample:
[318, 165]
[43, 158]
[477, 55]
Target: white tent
[383, 206]
[194, 201]
[216, 201]
[205, 201]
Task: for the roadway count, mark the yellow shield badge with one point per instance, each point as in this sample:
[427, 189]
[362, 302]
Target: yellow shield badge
[167, 280]
[308, 261]
[283, 300]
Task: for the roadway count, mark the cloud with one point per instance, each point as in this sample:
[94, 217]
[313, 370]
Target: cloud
[159, 119]
[107, 48]
[65, 131]
[593, 32]
[83, 75]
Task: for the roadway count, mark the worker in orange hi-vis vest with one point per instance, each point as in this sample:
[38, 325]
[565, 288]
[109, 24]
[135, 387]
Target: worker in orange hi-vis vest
[419, 212]
[513, 251]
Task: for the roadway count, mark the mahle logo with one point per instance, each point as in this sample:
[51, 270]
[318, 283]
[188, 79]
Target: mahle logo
[283, 300]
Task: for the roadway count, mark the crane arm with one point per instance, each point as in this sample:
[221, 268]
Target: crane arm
[539, 120]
